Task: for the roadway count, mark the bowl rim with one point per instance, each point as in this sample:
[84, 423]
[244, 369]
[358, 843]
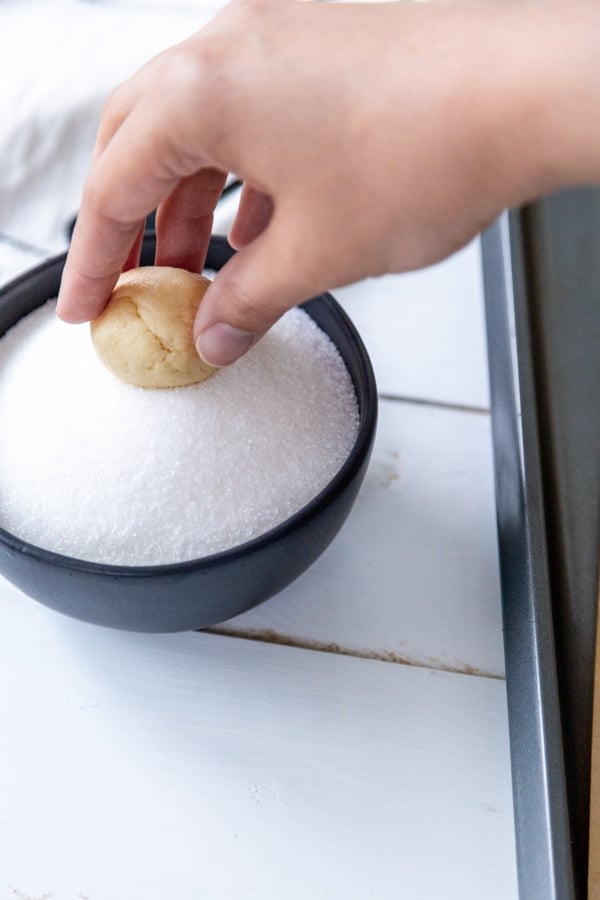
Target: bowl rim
[338, 483]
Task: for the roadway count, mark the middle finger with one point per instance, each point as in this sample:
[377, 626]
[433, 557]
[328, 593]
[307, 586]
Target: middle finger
[184, 220]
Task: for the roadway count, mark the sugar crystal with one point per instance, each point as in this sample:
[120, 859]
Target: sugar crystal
[108, 472]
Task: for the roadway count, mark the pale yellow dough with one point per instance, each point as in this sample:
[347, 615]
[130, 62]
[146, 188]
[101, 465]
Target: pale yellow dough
[144, 334]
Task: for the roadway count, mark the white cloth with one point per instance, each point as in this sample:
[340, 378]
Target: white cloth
[58, 62]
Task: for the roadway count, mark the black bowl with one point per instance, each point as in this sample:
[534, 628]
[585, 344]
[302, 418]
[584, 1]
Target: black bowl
[205, 591]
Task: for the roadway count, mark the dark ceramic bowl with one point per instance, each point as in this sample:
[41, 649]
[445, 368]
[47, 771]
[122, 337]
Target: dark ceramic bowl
[205, 591]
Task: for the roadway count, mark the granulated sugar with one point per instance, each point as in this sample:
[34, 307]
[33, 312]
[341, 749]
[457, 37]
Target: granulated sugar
[104, 471]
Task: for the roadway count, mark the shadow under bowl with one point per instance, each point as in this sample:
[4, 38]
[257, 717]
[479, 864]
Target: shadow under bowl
[201, 592]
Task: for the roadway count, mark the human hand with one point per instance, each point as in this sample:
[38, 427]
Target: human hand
[371, 138]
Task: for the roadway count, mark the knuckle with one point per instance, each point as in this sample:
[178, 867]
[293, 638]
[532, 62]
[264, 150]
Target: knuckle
[253, 8]
[202, 75]
[95, 194]
[103, 202]
[242, 304]
[115, 106]
[195, 65]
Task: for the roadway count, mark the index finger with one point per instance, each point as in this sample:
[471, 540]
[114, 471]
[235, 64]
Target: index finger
[131, 177]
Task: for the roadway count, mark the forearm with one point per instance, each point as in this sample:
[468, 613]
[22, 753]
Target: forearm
[546, 81]
[467, 107]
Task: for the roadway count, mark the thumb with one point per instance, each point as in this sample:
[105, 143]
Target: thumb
[249, 294]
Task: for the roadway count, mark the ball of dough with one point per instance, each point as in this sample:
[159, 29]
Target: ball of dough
[144, 334]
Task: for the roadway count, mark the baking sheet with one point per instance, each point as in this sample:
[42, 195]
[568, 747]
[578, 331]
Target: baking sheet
[542, 284]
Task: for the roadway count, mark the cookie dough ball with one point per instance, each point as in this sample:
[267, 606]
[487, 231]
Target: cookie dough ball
[144, 334]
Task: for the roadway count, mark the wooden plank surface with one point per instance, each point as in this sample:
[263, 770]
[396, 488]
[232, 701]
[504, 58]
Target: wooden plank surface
[425, 330]
[201, 766]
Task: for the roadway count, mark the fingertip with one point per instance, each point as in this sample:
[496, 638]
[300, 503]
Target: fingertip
[66, 309]
[81, 298]
[222, 344]
[72, 314]
[71, 318]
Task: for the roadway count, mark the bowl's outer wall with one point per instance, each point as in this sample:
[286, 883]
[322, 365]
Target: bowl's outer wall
[184, 598]
[200, 593]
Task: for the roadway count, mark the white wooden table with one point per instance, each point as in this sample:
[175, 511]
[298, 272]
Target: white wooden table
[346, 740]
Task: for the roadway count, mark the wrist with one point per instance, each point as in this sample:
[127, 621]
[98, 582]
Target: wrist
[548, 89]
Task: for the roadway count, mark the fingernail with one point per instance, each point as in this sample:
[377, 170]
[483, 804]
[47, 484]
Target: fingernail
[222, 344]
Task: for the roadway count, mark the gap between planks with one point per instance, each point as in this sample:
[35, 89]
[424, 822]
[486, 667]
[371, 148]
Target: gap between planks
[436, 404]
[268, 636]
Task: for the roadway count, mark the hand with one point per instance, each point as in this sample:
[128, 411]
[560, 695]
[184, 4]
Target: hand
[371, 138]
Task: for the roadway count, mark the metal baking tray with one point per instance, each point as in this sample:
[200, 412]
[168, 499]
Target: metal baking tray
[541, 268]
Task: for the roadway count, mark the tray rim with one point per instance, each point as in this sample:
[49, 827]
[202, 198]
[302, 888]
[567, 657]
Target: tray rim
[540, 797]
